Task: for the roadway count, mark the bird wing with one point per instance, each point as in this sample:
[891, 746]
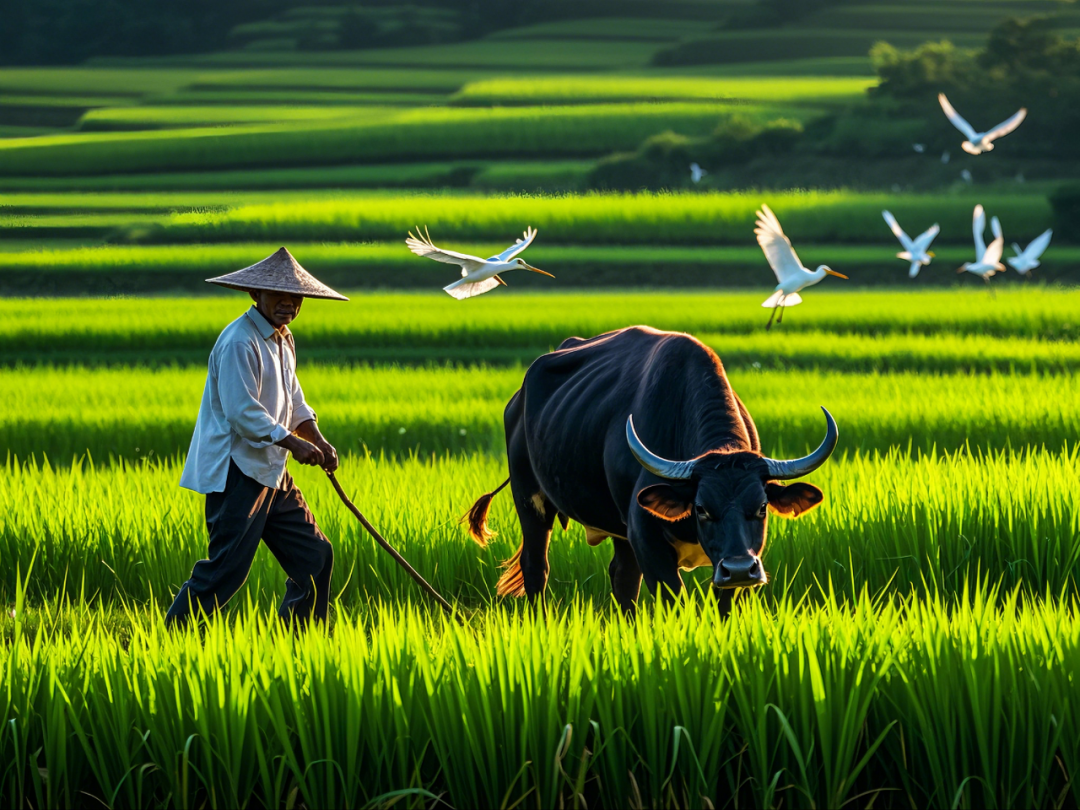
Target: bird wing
[1008, 126]
[422, 246]
[1037, 245]
[995, 248]
[462, 289]
[923, 240]
[774, 300]
[517, 247]
[978, 227]
[894, 226]
[777, 247]
[956, 119]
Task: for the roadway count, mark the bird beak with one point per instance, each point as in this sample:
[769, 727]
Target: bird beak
[538, 270]
[838, 275]
[960, 269]
[931, 254]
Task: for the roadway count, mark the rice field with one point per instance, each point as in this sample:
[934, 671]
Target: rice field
[622, 219]
[594, 89]
[917, 642]
[420, 133]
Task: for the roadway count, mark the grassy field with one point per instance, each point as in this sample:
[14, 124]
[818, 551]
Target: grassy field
[420, 133]
[621, 219]
[593, 89]
[825, 703]
[916, 644]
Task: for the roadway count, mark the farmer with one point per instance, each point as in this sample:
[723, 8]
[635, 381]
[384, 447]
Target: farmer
[252, 416]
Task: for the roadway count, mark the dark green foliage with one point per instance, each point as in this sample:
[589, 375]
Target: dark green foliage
[1066, 204]
[1025, 63]
[663, 160]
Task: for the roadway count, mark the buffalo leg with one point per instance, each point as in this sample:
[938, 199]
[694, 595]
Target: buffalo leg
[537, 517]
[625, 576]
[656, 557]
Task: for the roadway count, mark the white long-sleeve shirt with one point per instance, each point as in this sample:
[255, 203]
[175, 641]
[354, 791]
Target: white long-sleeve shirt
[252, 400]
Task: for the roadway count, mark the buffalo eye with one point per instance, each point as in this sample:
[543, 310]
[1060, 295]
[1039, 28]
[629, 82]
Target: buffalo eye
[763, 510]
[702, 512]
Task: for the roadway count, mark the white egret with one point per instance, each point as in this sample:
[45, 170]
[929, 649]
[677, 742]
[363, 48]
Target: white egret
[1027, 259]
[915, 250]
[696, 172]
[785, 264]
[979, 142]
[987, 257]
[477, 275]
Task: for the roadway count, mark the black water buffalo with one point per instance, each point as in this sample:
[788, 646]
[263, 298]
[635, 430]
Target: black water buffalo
[589, 436]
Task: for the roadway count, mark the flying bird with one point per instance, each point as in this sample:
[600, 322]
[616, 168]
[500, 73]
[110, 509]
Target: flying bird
[987, 257]
[915, 250]
[696, 172]
[979, 142]
[1027, 259]
[478, 275]
[785, 264]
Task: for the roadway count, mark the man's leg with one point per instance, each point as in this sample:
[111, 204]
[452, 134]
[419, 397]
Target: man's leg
[235, 520]
[293, 536]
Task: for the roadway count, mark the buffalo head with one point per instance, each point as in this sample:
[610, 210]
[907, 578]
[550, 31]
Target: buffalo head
[728, 495]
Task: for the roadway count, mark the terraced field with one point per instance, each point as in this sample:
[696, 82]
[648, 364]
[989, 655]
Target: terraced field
[916, 643]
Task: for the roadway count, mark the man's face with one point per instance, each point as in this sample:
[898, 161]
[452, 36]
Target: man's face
[279, 308]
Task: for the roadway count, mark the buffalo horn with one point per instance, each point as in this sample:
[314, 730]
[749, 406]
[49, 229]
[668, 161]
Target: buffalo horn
[797, 467]
[665, 468]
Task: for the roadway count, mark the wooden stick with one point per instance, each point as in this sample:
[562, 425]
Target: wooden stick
[390, 549]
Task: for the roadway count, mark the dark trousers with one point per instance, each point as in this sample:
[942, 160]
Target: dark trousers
[236, 520]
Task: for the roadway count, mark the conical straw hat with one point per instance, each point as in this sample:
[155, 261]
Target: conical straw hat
[279, 273]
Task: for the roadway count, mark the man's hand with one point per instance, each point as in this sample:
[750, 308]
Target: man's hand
[309, 432]
[304, 451]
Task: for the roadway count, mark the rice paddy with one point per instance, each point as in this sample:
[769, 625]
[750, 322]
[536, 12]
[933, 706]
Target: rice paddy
[917, 643]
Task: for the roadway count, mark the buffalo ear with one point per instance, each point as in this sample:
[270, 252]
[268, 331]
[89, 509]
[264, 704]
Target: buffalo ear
[794, 500]
[665, 501]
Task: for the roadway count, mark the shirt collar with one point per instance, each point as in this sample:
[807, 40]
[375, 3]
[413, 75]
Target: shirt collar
[264, 327]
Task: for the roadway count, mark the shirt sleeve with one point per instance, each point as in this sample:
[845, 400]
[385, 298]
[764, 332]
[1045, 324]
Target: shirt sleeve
[238, 391]
[301, 410]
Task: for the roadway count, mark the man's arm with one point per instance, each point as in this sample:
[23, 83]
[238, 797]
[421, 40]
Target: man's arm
[238, 391]
[309, 432]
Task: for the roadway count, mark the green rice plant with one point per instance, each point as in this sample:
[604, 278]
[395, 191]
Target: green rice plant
[446, 173]
[892, 523]
[593, 89]
[621, 219]
[1041, 321]
[174, 116]
[326, 79]
[95, 269]
[812, 706]
[423, 133]
[92, 80]
[139, 413]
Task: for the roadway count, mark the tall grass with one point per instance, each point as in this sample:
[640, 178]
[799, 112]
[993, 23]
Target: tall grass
[417, 134]
[683, 219]
[175, 116]
[592, 89]
[891, 523]
[95, 330]
[135, 413]
[138, 269]
[923, 704]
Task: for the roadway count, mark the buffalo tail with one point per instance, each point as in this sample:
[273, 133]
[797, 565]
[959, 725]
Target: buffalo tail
[477, 516]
